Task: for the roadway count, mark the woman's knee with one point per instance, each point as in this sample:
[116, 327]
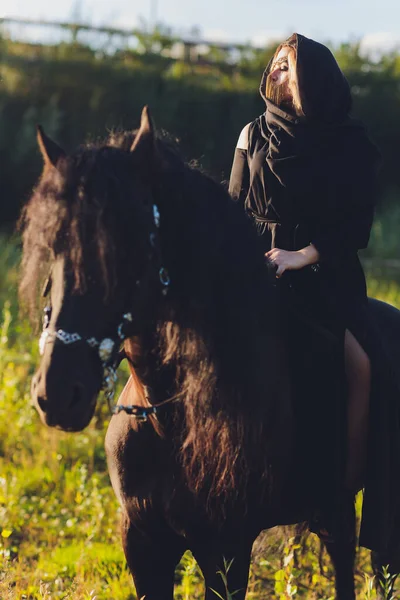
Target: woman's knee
[357, 362]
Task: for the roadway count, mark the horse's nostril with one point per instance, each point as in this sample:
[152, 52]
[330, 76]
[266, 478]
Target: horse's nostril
[42, 403]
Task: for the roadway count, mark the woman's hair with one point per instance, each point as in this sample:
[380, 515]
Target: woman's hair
[275, 93]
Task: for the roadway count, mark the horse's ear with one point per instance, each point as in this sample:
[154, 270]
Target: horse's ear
[51, 151]
[145, 137]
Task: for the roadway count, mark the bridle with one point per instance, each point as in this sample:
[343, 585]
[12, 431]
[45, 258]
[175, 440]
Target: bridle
[108, 349]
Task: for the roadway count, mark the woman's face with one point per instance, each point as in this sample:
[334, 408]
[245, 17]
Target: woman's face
[278, 83]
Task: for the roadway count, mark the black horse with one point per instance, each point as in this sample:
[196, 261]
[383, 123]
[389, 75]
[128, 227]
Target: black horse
[145, 250]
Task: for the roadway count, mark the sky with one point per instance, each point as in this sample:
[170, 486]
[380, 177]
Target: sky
[376, 23]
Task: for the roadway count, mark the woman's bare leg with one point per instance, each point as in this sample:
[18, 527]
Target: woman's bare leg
[358, 374]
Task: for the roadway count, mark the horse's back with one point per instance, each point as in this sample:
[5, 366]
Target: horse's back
[386, 317]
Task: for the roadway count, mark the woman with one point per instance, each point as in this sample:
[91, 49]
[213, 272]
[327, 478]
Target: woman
[305, 172]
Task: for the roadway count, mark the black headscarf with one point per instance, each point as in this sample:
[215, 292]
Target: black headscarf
[325, 146]
[325, 91]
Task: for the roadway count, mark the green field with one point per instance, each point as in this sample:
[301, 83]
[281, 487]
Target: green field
[58, 515]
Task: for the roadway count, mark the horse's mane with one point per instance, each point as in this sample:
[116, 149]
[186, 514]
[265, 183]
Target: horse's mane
[75, 211]
[221, 335]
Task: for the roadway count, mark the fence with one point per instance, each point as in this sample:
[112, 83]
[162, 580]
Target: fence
[109, 39]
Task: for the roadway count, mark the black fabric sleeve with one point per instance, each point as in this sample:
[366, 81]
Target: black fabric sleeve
[353, 200]
[346, 236]
[239, 181]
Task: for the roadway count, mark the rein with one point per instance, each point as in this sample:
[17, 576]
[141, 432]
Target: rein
[108, 348]
[141, 413]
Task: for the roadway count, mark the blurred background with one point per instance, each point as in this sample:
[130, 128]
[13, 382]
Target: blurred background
[81, 69]
[84, 67]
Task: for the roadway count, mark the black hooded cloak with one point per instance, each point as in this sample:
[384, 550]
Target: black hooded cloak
[312, 179]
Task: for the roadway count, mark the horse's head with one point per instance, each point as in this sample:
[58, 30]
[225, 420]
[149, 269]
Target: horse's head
[92, 222]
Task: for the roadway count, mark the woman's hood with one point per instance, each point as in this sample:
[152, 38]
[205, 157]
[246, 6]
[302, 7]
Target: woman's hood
[324, 90]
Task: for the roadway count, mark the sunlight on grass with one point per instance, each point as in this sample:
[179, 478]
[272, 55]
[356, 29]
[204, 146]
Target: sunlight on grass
[59, 519]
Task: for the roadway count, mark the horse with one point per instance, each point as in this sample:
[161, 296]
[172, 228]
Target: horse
[147, 252]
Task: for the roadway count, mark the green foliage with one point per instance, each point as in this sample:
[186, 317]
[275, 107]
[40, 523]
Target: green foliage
[387, 585]
[59, 532]
[59, 518]
[223, 573]
[78, 93]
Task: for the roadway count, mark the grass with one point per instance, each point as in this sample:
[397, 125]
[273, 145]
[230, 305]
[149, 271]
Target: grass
[59, 519]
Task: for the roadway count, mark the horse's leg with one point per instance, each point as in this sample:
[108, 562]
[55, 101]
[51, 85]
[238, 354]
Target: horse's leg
[218, 562]
[386, 572]
[342, 555]
[341, 546]
[152, 560]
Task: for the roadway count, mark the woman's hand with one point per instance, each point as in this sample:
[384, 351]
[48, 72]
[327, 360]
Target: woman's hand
[285, 260]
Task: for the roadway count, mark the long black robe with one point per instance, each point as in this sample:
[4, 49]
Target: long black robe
[312, 179]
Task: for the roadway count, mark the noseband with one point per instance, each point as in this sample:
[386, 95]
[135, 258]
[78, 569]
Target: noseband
[108, 349]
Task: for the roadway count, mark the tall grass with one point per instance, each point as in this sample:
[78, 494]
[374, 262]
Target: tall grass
[59, 519]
